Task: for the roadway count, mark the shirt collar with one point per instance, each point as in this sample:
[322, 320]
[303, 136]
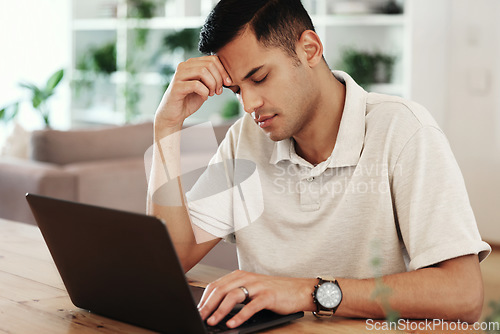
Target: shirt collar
[351, 136]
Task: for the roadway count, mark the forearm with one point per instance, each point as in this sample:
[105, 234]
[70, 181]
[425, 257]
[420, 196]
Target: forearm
[165, 197]
[444, 292]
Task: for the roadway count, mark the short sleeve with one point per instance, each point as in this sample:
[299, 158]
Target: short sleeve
[431, 203]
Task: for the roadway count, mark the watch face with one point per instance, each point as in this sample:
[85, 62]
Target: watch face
[329, 295]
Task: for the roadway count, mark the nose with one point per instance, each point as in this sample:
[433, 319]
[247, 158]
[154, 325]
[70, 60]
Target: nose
[251, 100]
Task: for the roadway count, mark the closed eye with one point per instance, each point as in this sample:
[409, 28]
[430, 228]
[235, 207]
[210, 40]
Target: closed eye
[261, 80]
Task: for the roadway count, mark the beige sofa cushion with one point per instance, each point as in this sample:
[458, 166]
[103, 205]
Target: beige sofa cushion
[118, 183]
[66, 147]
[20, 176]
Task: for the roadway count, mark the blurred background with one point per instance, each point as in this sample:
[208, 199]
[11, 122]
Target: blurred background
[69, 64]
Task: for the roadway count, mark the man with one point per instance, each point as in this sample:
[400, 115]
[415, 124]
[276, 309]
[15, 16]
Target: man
[374, 174]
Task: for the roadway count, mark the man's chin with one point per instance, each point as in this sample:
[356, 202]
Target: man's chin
[276, 136]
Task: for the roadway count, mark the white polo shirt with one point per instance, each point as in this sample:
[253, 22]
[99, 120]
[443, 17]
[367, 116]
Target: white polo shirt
[391, 190]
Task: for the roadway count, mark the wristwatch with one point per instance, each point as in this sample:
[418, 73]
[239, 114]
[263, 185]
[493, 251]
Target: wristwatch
[327, 297]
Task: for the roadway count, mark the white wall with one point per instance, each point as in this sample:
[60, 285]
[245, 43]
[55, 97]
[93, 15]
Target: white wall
[456, 73]
[430, 55]
[472, 121]
[34, 43]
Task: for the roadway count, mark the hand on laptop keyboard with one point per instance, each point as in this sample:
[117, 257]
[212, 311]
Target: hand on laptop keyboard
[283, 295]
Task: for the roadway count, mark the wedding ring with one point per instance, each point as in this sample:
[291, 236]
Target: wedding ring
[247, 294]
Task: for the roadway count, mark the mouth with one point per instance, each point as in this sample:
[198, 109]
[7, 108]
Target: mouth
[265, 121]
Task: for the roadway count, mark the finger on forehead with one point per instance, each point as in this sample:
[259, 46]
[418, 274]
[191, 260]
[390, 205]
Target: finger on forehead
[222, 70]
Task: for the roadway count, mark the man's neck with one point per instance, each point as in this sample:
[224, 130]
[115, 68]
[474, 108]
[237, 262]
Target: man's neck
[316, 142]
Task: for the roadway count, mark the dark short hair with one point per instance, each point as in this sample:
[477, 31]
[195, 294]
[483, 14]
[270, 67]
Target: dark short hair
[276, 23]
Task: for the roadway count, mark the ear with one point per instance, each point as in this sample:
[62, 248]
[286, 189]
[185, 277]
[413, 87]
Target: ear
[310, 48]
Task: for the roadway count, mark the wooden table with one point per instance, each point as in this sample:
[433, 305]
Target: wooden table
[33, 298]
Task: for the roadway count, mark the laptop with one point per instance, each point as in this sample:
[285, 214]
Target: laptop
[123, 265]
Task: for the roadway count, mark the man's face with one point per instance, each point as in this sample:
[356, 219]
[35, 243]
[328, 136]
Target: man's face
[275, 88]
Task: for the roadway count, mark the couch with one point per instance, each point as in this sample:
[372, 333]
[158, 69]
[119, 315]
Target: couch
[103, 166]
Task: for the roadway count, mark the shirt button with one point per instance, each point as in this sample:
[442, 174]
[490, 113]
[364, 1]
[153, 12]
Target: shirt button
[310, 178]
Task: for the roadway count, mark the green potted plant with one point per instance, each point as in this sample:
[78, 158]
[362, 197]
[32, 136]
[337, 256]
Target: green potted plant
[366, 67]
[99, 59]
[39, 97]
[360, 65]
[96, 62]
